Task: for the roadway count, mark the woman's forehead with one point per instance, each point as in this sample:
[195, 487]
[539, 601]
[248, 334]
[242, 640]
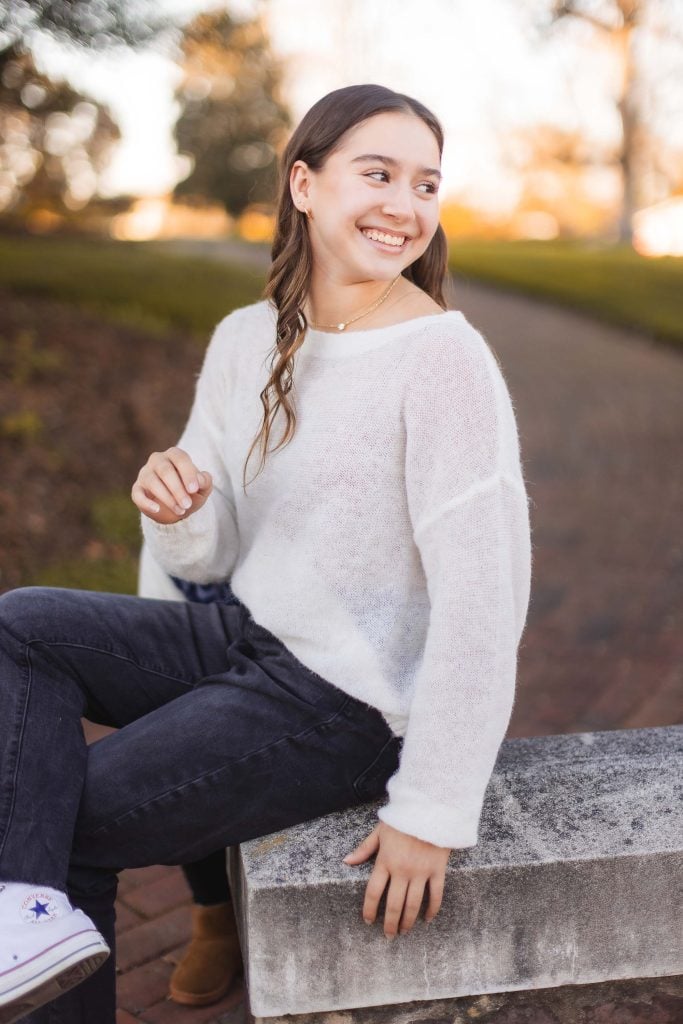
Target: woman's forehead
[406, 142]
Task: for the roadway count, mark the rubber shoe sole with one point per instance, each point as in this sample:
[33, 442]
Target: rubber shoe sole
[51, 973]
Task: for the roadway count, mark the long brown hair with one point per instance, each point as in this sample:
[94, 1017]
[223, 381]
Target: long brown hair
[317, 135]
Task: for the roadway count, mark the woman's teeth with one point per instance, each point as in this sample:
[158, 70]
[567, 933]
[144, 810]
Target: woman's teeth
[378, 236]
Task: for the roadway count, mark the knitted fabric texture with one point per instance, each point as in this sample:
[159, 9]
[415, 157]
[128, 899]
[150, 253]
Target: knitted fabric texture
[387, 545]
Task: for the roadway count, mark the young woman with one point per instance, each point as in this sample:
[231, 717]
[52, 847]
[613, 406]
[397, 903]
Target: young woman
[380, 554]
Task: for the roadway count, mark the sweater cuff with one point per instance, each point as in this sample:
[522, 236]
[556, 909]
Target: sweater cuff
[193, 526]
[176, 546]
[415, 814]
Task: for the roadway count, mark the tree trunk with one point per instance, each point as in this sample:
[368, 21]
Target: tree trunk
[629, 115]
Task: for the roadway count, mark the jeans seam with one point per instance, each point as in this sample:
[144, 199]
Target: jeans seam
[113, 654]
[206, 775]
[373, 770]
[26, 646]
[20, 743]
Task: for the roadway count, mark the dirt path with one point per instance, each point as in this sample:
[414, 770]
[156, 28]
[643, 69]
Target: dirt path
[601, 418]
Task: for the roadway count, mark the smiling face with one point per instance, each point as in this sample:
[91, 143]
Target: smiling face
[356, 190]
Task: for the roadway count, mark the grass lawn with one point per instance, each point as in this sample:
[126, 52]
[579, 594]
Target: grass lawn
[611, 282]
[131, 282]
[128, 283]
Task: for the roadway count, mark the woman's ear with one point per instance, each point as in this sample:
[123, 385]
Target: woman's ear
[299, 185]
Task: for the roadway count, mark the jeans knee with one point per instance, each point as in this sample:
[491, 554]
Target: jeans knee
[26, 612]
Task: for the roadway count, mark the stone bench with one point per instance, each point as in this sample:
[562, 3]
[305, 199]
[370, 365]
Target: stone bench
[576, 879]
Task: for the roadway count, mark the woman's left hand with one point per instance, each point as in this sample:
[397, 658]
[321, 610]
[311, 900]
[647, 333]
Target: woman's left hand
[409, 864]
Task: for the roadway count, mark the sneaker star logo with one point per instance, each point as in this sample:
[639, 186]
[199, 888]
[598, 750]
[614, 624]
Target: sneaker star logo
[38, 907]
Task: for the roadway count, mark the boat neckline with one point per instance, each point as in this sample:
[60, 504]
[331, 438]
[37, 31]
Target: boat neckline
[340, 345]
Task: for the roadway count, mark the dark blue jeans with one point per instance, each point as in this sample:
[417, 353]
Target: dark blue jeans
[208, 876]
[223, 736]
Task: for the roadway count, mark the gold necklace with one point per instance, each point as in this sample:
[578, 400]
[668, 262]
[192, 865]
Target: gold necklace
[342, 326]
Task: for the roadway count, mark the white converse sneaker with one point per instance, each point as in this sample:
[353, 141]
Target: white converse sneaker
[46, 947]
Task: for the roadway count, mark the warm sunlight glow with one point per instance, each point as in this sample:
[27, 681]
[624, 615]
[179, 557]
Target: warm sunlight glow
[535, 224]
[532, 129]
[158, 217]
[142, 222]
[658, 231]
[256, 225]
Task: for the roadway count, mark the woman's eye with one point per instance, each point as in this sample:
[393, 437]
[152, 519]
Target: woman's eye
[431, 189]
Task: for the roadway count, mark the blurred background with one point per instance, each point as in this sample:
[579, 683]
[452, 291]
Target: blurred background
[138, 147]
[164, 118]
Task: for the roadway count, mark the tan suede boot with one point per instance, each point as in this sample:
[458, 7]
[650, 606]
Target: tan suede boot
[211, 961]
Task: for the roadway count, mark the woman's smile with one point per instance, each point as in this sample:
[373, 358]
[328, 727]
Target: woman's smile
[391, 246]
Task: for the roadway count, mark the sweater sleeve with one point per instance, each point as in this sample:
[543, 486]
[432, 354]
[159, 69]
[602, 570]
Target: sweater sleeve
[469, 512]
[203, 547]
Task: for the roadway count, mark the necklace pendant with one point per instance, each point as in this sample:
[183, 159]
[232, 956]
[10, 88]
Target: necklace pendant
[340, 327]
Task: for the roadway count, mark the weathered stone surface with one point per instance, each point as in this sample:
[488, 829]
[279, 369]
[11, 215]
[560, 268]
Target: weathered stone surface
[641, 1001]
[576, 879]
[649, 1000]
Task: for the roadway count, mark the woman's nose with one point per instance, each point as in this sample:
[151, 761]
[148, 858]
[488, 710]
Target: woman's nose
[400, 204]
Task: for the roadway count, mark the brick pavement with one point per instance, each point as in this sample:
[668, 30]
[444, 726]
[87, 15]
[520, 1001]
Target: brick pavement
[600, 421]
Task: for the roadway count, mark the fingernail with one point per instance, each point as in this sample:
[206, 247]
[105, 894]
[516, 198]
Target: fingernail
[186, 503]
[367, 920]
[193, 486]
[179, 511]
[390, 936]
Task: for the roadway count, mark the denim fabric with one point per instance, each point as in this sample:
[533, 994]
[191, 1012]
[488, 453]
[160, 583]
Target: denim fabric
[205, 592]
[207, 877]
[223, 736]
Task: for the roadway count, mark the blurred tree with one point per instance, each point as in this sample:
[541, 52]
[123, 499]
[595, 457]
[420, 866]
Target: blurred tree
[96, 24]
[53, 141]
[564, 173]
[232, 120]
[620, 23]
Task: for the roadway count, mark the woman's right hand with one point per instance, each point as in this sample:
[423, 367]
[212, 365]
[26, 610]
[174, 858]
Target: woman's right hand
[169, 487]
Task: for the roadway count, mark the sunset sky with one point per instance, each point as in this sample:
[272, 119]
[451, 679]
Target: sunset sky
[478, 66]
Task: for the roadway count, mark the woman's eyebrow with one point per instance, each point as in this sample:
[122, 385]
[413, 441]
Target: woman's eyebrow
[389, 160]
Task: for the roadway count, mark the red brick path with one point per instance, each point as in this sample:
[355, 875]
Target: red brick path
[600, 422]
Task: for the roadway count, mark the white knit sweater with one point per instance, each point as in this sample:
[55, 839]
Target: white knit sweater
[387, 545]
